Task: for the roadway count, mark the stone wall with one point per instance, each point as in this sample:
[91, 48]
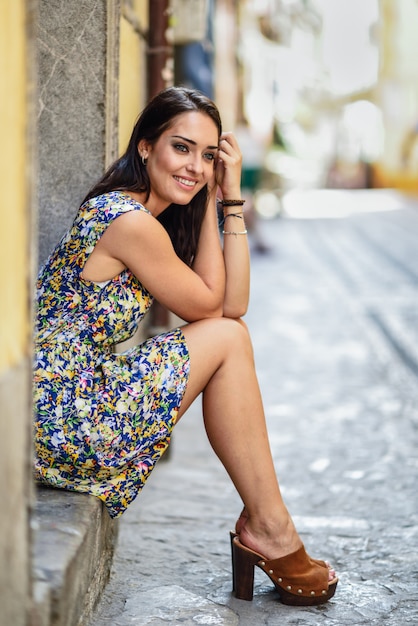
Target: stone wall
[78, 95]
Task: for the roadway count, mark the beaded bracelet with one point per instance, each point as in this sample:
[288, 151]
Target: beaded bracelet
[231, 202]
[232, 232]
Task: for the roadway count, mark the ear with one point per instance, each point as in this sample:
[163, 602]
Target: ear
[143, 148]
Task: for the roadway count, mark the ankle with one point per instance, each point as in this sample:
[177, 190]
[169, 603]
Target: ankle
[270, 521]
[270, 537]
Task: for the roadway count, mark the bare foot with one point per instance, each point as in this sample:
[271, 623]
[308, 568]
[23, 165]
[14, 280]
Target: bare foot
[271, 539]
[273, 549]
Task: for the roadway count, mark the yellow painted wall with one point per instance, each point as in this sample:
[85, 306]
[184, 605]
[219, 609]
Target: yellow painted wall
[15, 429]
[132, 69]
[14, 325]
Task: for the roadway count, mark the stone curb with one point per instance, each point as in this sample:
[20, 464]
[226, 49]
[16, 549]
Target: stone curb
[73, 545]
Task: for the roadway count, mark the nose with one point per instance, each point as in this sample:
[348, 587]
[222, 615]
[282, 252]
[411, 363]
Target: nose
[195, 164]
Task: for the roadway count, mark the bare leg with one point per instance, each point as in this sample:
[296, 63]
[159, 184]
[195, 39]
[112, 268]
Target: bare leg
[222, 367]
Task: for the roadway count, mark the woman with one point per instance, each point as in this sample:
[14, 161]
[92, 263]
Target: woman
[149, 229]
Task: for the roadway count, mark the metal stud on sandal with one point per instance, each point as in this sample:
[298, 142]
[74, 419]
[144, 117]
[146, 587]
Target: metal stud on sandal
[299, 580]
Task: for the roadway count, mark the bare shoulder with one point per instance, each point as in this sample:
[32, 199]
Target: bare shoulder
[135, 233]
[136, 223]
[132, 238]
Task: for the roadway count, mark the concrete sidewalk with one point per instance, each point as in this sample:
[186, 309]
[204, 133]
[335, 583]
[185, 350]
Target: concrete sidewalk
[334, 320]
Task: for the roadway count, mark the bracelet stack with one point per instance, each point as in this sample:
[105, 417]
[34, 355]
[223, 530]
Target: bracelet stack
[238, 215]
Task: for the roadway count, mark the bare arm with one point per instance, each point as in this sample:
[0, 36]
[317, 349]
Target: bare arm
[235, 246]
[138, 241]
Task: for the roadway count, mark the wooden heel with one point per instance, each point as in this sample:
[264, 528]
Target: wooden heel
[232, 536]
[243, 563]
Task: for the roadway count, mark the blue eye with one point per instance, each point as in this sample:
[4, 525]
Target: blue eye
[180, 147]
[209, 156]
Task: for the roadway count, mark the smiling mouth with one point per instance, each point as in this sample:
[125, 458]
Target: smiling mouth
[185, 181]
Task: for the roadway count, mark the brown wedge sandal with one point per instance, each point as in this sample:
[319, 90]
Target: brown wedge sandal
[299, 580]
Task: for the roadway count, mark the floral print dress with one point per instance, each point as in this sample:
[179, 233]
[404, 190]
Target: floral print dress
[102, 419]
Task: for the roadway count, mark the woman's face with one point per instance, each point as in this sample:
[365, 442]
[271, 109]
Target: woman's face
[181, 161]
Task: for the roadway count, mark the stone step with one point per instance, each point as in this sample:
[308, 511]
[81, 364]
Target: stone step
[73, 545]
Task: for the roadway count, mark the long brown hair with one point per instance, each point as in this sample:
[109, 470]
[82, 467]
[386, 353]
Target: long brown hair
[128, 173]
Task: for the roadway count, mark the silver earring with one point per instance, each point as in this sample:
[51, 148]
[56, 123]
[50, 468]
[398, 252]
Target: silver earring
[144, 160]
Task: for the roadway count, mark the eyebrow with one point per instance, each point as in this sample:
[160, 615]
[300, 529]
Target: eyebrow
[193, 142]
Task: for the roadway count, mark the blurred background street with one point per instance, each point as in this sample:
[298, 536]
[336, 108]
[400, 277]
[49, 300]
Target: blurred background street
[334, 320]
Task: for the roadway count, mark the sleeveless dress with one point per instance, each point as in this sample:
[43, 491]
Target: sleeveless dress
[102, 419]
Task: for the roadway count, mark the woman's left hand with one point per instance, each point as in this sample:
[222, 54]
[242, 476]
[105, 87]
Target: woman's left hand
[228, 166]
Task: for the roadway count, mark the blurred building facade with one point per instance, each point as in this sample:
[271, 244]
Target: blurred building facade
[336, 83]
[75, 75]
[397, 94]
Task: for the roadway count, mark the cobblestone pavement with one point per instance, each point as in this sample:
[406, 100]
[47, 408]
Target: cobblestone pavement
[334, 320]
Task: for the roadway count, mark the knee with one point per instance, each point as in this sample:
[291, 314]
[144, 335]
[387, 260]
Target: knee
[220, 332]
[217, 340]
[233, 333]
